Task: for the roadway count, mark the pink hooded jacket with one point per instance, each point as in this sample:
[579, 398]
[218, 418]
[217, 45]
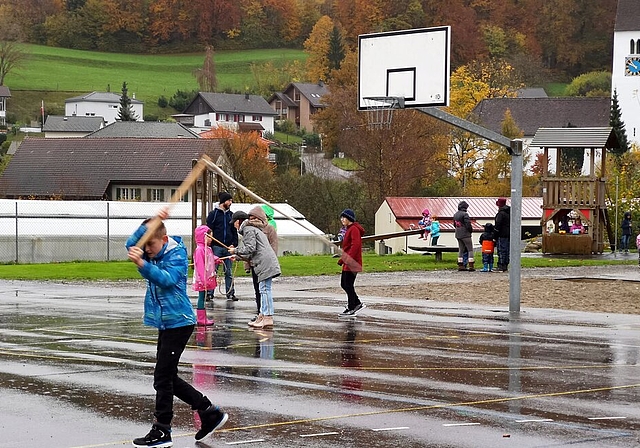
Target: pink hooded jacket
[204, 263]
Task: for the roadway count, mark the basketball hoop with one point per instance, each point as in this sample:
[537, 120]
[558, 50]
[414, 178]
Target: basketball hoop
[380, 110]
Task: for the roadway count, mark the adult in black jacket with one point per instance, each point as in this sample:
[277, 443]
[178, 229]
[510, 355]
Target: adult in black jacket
[462, 223]
[502, 229]
[224, 234]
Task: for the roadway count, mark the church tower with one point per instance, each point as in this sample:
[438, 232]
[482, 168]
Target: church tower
[626, 65]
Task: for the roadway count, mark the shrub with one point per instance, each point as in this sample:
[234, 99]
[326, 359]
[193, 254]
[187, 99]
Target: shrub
[163, 102]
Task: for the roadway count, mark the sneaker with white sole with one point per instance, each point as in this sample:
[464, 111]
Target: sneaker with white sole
[346, 313]
[212, 419]
[359, 307]
[158, 437]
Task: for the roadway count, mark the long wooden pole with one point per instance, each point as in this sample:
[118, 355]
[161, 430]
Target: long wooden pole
[155, 222]
[224, 175]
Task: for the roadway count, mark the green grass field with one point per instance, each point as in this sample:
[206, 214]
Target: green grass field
[54, 74]
[291, 266]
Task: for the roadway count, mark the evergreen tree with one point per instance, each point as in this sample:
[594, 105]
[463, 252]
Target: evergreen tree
[126, 113]
[615, 121]
[336, 49]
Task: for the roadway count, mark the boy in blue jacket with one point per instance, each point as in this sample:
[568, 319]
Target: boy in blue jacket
[164, 264]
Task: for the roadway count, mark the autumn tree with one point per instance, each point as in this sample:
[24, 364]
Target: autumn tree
[248, 156]
[397, 161]
[317, 49]
[125, 113]
[206, 76]
[590, 84]
[12, 53]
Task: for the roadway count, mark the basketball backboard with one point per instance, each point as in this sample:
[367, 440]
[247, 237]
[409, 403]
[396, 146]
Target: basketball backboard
[411, 64]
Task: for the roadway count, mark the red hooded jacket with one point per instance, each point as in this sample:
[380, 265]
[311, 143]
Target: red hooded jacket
[351, 258]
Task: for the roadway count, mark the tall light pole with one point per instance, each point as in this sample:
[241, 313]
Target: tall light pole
[302, 146]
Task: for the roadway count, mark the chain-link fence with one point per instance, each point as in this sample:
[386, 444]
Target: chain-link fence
[55, 231]
[50, 231]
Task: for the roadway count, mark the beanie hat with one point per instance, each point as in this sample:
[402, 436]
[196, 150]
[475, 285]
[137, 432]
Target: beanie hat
[238, 216]
[501, 202]
[223, 196]
[425, 212]
[349, 214]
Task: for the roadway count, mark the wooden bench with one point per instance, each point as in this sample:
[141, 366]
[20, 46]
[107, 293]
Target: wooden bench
[434, 249]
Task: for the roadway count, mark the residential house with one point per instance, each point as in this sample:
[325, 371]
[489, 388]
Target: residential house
[299, 102]
[144, 129]
[625, 75]
[128, 169]
[57, 126]
[209, 110]
[100, 104]
[530, 114]
[4, 94]
[397, 214]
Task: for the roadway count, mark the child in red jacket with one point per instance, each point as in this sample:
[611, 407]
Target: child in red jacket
[351, 261]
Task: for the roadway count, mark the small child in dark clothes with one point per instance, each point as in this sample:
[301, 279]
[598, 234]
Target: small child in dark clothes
[488, 245]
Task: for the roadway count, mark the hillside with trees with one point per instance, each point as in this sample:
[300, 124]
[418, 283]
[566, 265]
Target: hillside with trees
[571, 36]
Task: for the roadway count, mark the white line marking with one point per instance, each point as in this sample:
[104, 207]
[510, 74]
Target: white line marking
[397, 428]
[607, 418]
[460, 424]
[535, 420]
[242, 442]
[320, 434]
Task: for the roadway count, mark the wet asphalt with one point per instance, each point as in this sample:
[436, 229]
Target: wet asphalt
[76, 369]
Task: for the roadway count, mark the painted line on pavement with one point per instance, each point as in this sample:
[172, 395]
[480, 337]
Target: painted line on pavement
[320, 434]
[460, 424]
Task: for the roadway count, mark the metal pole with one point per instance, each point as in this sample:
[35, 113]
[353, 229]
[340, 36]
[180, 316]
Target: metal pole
[615, 238]
[16, 231]
[108, 233]
[515, 230]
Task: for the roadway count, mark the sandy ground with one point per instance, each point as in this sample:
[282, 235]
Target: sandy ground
[610, 289]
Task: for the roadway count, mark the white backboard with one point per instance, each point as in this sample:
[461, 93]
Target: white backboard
[413, 64]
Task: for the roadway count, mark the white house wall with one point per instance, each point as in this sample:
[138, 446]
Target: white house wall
[628, 87]
[108, 111]
[201, 121]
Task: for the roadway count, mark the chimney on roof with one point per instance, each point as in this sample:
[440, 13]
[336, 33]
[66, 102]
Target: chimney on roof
[246, 96]
[321, 83]
[133, 95]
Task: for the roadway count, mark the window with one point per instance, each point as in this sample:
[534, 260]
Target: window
[238, 118]
[207, 122]
[296, 95]
[155, 194]
[257, 118]
[632, 47]
[184, 198]
[218, 116]
[128, 194]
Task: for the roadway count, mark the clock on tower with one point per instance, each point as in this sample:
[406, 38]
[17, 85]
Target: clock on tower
[632, 66]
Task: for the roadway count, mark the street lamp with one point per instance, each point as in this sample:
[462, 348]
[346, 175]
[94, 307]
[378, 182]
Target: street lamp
[302, 147]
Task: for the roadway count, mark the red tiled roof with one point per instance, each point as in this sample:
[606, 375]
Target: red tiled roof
[408, 210]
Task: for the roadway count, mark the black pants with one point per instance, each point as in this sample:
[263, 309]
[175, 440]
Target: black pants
[171, 344]
[256, 287]
[347, 280]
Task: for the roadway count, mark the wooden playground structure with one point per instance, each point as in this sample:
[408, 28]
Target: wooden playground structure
[566, 198]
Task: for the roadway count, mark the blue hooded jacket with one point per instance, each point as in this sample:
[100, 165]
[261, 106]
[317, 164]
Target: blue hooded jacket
[166, 303]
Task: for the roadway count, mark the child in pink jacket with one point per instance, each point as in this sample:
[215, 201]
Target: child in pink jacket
[204, 271]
